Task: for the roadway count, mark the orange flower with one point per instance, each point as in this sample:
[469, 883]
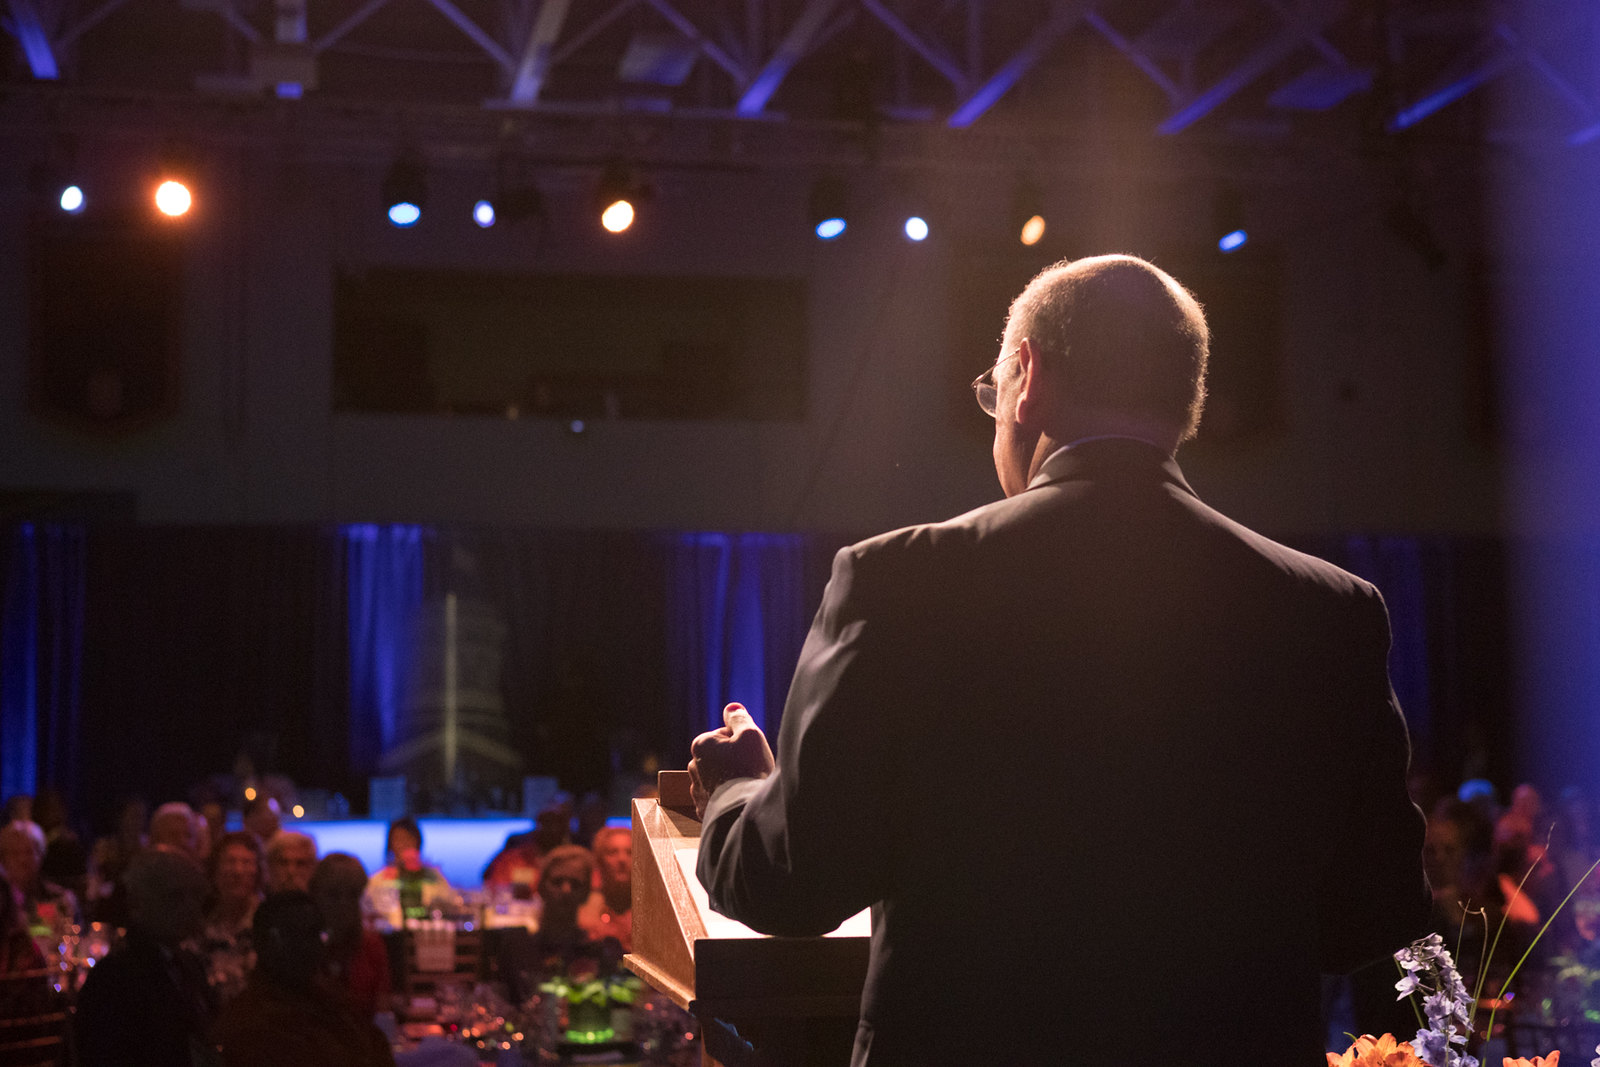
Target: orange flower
[1538, 1061]
[1369, 1051]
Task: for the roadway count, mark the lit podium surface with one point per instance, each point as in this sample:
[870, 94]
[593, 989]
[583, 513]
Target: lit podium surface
[794, 998]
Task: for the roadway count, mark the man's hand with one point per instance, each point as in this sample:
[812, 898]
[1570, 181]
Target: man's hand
[737, 750]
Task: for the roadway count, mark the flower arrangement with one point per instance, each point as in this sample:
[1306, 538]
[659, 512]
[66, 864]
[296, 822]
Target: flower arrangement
[589, 997]
[1448, 1010]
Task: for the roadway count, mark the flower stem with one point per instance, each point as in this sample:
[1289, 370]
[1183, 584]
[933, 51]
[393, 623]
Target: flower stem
[1412, 997]
[1540, 934]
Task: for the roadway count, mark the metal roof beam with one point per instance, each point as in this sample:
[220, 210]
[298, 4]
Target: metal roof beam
[935, 56]
[475, 32]
[1492, 57]
[533, 66]
[795, 44]
[356, 18]
[712, 50]
[1301, 28]
[1062, 19]
[1151, 68]
[28, 28]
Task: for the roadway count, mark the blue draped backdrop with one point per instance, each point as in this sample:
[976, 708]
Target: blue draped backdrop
[41, 658]
[738, 617]
[644, 637]
[384, 583]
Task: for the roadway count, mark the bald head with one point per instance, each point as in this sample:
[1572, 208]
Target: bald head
[1128, 341]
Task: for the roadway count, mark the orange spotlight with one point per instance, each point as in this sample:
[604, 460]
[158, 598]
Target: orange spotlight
[173, 198]
[617, 216]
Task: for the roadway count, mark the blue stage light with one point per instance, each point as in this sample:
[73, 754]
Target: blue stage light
[405, 213]
[1231, 241]
[917, 228]
[483, 214]
[828, 229]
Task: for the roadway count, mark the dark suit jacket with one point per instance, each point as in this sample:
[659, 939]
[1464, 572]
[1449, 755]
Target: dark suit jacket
[144, 1006]
[1119, 776]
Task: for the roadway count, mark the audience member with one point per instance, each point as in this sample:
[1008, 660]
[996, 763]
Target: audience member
[18, 950]
[47, 908]
[263, 816]
[516, 866]
[1573, 841]
[214, 815]
[176, 826]
[148, 1001]
[19, 954]
[609, 910]
[1481, 794]
[420, 885]
[235, 867]
[66, 863]
[110, 857]
[291, 857]
[358, 962]
[287, 1014]
[565, 882]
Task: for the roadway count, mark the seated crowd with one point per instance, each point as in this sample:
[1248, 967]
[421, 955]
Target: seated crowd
[248, 943]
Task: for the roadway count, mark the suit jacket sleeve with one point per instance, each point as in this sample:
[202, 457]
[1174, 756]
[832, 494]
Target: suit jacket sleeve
[1375, 896]
[801, 851]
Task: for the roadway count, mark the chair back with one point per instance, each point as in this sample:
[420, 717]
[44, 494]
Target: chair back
[34, 1019]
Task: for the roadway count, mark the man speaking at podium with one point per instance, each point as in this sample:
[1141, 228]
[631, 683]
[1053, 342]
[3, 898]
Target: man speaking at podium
[1118, 776]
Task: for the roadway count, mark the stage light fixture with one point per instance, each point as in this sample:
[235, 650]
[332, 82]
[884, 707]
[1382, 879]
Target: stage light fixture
[1228, 221]
[483, 214]
[173, 198]
[828, 207]
[72, 200]
[174, 194]
[619, 196]
[916, 228]
[405, 190]
[1027, 214]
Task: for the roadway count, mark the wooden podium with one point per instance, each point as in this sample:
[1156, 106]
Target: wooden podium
[791, 1000]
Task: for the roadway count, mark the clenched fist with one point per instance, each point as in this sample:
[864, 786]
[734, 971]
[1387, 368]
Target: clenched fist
[738, 749]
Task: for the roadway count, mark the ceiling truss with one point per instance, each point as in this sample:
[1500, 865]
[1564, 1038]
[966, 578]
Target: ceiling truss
[953, 62]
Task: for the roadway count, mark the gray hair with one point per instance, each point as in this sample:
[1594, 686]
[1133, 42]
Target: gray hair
[280, 841]
[1126, 335]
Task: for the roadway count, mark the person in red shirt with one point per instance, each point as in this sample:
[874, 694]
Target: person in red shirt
[358, 962]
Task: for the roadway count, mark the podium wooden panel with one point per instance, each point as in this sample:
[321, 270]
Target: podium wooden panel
[796, 999]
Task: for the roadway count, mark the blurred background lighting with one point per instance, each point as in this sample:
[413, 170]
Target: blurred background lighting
[827, 208]
[483, 214]
[917, 228]
[72, 199]
[617, 216]
[405, 190]
[1033, 230]
[1229, 242]
[173, 198]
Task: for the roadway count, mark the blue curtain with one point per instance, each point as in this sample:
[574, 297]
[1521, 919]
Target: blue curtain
[41, 658]
[385, 574]
[738, 616]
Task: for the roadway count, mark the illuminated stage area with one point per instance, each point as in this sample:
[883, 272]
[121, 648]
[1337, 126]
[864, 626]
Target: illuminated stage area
[461, 848]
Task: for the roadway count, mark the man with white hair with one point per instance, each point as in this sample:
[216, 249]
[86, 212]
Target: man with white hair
[291, 860]
[177, 825]
[1108, 767]
[47, 907]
